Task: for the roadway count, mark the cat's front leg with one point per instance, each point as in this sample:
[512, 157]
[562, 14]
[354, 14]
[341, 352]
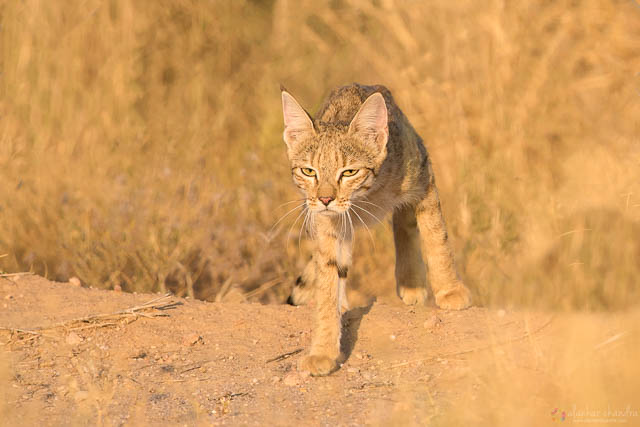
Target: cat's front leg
[331, 261]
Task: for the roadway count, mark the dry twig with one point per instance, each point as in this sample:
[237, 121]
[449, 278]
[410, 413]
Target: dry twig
[263, 288]
[24, 273]
[285, 356]
[101, 320]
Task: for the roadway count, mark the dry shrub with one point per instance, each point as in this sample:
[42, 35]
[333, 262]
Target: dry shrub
[140, 143]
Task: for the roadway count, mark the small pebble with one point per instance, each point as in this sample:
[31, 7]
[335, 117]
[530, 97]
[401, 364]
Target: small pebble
[74, 281]
[432, 322]
[291, 380]
[73, 339]
[191, 339]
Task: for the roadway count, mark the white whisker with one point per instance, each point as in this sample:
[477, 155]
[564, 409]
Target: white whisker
[293, 225]
[313, 226]
[285, 215]
[367, 228]
[368, 202]
[351, 224]
[304, 222]
[344, 225]
[288, 203]
[365, 210]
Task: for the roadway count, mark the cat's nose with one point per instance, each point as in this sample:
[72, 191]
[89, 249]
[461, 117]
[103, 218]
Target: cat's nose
[326, 200]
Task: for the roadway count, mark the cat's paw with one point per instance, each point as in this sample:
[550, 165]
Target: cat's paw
[317, 365]
[455, 297]
[413, 296]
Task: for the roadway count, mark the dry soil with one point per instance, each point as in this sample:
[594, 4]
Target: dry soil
[67, 359]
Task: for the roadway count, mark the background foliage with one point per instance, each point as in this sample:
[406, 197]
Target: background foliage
[140, 142]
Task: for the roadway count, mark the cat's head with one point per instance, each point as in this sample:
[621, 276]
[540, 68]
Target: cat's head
[335, 163]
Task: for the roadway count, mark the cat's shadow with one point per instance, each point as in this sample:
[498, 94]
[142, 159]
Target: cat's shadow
[350, 325]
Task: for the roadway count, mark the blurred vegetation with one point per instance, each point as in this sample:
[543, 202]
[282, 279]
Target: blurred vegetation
[140, 142]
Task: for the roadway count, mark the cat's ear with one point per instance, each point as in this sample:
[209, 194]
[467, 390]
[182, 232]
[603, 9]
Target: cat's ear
[297, 123]
[371, 121]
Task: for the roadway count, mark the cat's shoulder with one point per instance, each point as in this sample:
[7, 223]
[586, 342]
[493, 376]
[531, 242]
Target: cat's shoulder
[343, 102]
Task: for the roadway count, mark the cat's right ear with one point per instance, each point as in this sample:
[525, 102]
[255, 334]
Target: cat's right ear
[297, 123]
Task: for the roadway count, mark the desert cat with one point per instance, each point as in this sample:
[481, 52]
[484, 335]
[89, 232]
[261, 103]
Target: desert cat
[361, 155]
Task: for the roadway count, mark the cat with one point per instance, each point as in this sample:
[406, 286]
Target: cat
[361, 156]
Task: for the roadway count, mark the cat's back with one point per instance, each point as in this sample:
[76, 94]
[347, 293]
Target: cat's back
[343, 103]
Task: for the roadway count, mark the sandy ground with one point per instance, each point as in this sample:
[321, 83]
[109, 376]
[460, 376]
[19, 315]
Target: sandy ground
[196, 363]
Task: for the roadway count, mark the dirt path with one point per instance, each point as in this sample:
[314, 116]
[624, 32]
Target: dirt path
[212, 363]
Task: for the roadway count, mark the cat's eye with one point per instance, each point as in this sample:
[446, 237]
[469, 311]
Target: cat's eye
[349, 172]
[308, 171]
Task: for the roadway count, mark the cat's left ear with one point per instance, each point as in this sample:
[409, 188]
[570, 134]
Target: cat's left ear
[371, 121]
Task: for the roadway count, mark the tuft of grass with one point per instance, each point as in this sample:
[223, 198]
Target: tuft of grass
[140, 145]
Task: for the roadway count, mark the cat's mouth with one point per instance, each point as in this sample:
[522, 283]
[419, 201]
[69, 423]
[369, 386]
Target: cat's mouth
[325, 211]
[334, 207]
[331, 211]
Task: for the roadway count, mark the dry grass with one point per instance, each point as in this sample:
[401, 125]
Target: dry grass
[589, 376]
[140, 143]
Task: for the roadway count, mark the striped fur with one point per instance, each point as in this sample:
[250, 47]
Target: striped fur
[362, 155]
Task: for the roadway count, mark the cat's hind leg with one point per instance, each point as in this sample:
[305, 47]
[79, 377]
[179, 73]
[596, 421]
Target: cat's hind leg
[302, 291]
[411, 274]
[449, 291]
